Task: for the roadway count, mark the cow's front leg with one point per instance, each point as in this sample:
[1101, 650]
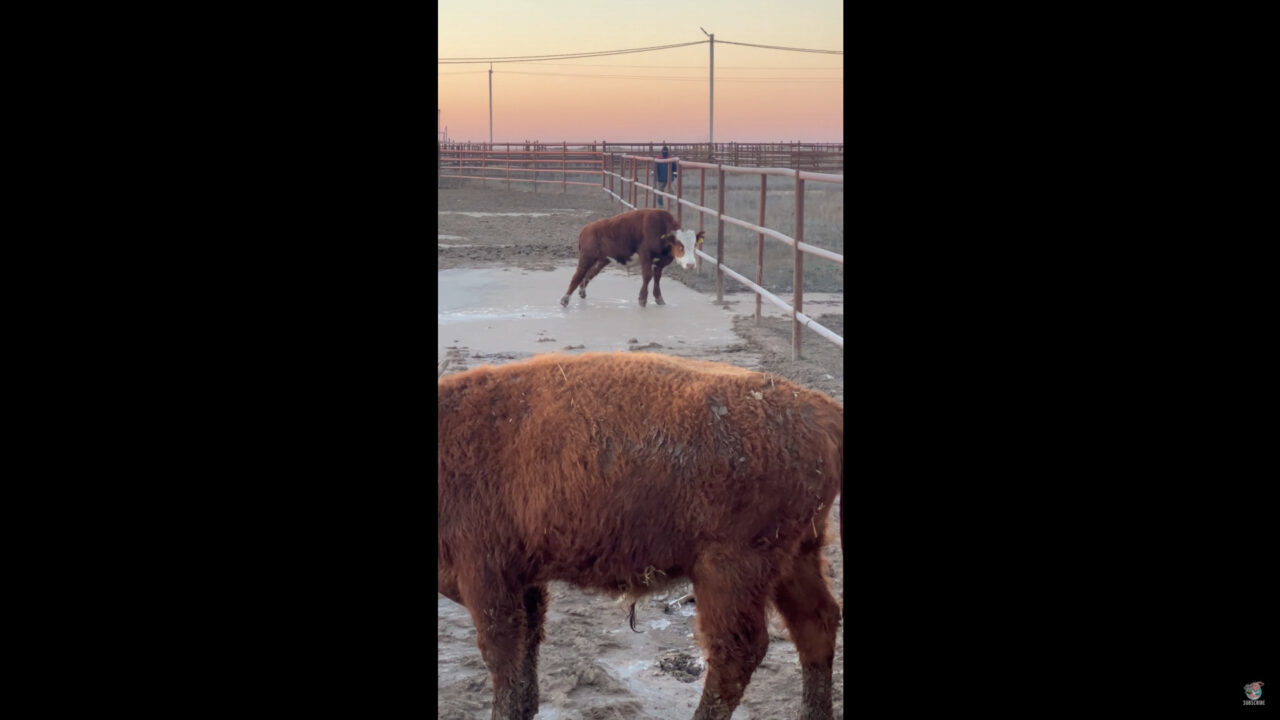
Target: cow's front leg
[646, 272]
[657, 278]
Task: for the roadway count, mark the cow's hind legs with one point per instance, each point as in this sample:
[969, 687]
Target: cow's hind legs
[812, 616]
[595, 270]
[732, 589]
[578, 275]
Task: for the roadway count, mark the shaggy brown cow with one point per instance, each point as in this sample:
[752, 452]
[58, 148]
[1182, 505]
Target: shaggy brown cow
[653, 234]
[621, 473]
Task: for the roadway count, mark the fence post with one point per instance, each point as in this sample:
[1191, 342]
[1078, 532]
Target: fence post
[635, 175]
[702, 201]
[675, 167]
[648, 202]
[508, 156]
[564, 166]
[798, 276]
[760, 246]
[535, 168]
[720, 239]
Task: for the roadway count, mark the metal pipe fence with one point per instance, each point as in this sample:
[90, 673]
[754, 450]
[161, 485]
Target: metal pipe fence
[556, 165]
[813, 157]
[628, 185]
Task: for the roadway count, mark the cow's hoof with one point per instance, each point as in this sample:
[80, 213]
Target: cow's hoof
[659, 301]
[581, 294]
[643, 302]
[564, 300]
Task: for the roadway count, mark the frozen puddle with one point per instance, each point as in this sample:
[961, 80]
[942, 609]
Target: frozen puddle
[490, 310]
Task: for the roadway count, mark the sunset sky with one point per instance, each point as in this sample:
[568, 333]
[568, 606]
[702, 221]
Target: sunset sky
[760, 95]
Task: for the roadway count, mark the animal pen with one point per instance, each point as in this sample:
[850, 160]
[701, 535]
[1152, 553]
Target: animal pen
[619, 175]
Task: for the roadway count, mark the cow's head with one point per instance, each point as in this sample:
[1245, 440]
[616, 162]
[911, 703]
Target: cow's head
[683, 243]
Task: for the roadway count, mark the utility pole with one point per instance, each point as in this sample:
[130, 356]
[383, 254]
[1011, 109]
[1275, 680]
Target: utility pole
[711, 123]
[490, 106]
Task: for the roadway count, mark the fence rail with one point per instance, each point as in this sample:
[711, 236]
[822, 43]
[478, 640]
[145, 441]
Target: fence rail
[620, 185]
[815, 157]
[511, 165]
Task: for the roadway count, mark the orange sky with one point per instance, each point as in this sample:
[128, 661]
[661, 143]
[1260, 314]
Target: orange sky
[760, 95]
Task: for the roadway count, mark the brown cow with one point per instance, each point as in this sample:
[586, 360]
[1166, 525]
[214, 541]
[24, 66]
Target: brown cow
[653, 234]
[621, 472]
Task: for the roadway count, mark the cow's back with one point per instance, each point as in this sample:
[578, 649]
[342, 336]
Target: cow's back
[622, 236]
[631, 458]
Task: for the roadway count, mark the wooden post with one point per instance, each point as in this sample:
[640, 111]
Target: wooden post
[564, 166]
[635, 175]
[760, 246]
[797, 280]
[508, 156]
[720, 239]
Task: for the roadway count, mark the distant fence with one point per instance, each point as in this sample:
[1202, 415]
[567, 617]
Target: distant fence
[815, 157]
[548, 165]
[616, 177]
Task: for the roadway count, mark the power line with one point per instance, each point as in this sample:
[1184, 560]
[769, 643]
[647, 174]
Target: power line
[776, 47]
[674, 77]
[693, 67]
[606, 53]
[562, 56]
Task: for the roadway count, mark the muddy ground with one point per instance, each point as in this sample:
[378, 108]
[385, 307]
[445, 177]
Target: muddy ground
[592, 666]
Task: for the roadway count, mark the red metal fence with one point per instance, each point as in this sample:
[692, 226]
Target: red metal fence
[546, 165]
[616, 178]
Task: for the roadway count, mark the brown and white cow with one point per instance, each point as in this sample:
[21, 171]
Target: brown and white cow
[654, 235]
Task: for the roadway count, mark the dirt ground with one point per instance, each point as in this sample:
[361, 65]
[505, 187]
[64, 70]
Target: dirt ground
[592, 666]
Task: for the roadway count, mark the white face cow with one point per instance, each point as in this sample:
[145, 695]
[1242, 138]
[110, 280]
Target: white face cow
[683, 252]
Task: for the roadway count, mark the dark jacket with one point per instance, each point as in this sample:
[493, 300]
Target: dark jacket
[662, 169]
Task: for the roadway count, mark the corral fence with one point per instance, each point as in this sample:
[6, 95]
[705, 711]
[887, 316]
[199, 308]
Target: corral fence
[815, 157]
[623, 181]
[617, 173]
[531, 164]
